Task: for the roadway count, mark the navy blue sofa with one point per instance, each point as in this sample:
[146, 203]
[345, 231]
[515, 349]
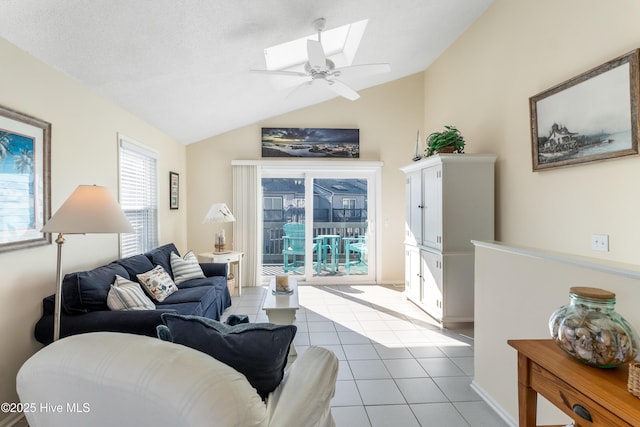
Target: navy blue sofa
[84, 298]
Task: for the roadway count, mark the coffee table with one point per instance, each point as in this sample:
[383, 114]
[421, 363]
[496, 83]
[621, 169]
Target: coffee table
[281, 309]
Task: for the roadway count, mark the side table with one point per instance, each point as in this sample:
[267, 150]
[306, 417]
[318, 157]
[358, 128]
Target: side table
[590, 396]
[230, 258]
[281, 309]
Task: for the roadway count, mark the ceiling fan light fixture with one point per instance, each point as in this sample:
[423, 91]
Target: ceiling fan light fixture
[340, 43]
[319, 68]
[329, 67]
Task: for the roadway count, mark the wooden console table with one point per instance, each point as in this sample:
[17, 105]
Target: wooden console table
[590, 396]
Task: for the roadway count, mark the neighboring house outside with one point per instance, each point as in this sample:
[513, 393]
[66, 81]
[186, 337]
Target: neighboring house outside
[340, 207]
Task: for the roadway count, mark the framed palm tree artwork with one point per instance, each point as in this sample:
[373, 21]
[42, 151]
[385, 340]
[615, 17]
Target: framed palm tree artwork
[25, 180]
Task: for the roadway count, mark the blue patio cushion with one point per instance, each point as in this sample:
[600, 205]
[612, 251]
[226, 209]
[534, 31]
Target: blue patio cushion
[86, 291]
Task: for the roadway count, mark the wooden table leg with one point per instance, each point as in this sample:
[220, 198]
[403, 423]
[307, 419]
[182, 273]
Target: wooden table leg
[527, 397]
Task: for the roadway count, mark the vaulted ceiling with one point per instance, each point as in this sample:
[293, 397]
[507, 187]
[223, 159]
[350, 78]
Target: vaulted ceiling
[183, 65]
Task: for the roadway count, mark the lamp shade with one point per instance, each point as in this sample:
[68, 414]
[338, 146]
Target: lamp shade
[219, 212]
[89, 209]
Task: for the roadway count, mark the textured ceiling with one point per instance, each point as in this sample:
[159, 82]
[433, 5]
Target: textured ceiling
[182, 65]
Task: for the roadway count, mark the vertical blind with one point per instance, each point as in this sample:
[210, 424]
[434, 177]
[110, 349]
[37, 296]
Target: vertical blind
[138, 197]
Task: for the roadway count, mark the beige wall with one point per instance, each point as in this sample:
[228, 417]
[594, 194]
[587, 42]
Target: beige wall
[388, 117]
[517, 289]
[482, 84]
[83, 151]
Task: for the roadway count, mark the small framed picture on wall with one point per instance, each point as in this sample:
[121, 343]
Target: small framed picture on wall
[174, 190]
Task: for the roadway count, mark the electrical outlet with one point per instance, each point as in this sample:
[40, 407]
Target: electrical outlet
[600, 242]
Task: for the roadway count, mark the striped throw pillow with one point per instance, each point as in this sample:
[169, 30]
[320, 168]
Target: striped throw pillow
[185, 268]
[126, 295]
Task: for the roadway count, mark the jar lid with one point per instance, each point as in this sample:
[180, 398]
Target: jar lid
[595, 293]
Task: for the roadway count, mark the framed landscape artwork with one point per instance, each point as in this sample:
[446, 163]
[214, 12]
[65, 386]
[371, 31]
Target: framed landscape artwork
[591, 117]
[310, 142]
[25, 180]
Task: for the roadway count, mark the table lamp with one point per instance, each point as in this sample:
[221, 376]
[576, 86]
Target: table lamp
[89, 209]
[219, 212]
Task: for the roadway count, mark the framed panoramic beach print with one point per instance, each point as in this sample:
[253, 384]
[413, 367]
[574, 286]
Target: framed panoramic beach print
[310, 142]
[24, 180]
[591, 117]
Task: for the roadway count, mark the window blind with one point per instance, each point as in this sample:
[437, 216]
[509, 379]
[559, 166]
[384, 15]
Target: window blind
[138, 197]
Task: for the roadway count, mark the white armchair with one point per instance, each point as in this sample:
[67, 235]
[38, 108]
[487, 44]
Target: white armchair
[113, 379]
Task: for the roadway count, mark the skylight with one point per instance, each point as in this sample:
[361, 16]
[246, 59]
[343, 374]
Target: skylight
[340, 45]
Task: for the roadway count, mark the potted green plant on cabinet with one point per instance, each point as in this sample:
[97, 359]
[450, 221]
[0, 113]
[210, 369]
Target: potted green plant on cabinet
[448, 141]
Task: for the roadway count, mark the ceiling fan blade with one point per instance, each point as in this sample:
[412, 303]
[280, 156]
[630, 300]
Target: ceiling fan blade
[342, 89]
[363, 69]
[280, 73]
[316, 57]
[300, 89]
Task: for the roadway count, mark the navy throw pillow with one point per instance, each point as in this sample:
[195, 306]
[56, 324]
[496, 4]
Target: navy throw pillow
[86, 291]
[259, 351]
[162, 256]
[135, 265]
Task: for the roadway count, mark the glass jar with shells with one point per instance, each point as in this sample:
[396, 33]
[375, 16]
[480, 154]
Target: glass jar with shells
[589, 329]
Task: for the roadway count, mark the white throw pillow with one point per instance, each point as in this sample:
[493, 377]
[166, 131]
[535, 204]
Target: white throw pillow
[126, 295]
[185, 268]
[158, 283]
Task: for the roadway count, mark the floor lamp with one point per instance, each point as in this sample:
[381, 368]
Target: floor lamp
[89, 209]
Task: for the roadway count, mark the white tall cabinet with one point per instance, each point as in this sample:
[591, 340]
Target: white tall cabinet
[449, 202]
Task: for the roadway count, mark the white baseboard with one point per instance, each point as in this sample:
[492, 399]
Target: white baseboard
[494, 405]
[11, 420]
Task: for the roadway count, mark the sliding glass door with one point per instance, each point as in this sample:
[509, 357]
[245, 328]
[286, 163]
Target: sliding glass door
[318, 224]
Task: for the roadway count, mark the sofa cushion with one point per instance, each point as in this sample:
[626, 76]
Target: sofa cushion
[200, 293]
[185, 268]
[162, 256]
[87, 290]
[135, 265]
[217, 281]
[158, 283]
[257, 350]
[126, 295]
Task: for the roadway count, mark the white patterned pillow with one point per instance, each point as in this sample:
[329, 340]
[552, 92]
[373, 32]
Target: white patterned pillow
[185, 268]
[158, 283]
[126, 295]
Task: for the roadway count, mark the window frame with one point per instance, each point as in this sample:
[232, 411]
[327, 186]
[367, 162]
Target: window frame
[150, 240]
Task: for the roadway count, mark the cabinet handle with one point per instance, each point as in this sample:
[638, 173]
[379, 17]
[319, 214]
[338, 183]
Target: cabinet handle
[582, 412]
[420, 207]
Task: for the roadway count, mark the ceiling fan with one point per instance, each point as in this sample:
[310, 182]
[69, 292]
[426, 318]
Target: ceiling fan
[319, 70]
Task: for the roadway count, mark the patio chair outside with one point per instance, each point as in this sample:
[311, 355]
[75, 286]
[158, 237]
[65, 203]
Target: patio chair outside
[293, 246]
[358, 245]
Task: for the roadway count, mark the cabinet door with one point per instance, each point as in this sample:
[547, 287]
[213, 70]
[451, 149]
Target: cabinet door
[432, 283]
[413, 211]
[412, 276]
[432, 211]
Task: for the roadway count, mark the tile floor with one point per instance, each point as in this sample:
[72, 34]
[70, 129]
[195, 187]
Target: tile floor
[397, 368]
